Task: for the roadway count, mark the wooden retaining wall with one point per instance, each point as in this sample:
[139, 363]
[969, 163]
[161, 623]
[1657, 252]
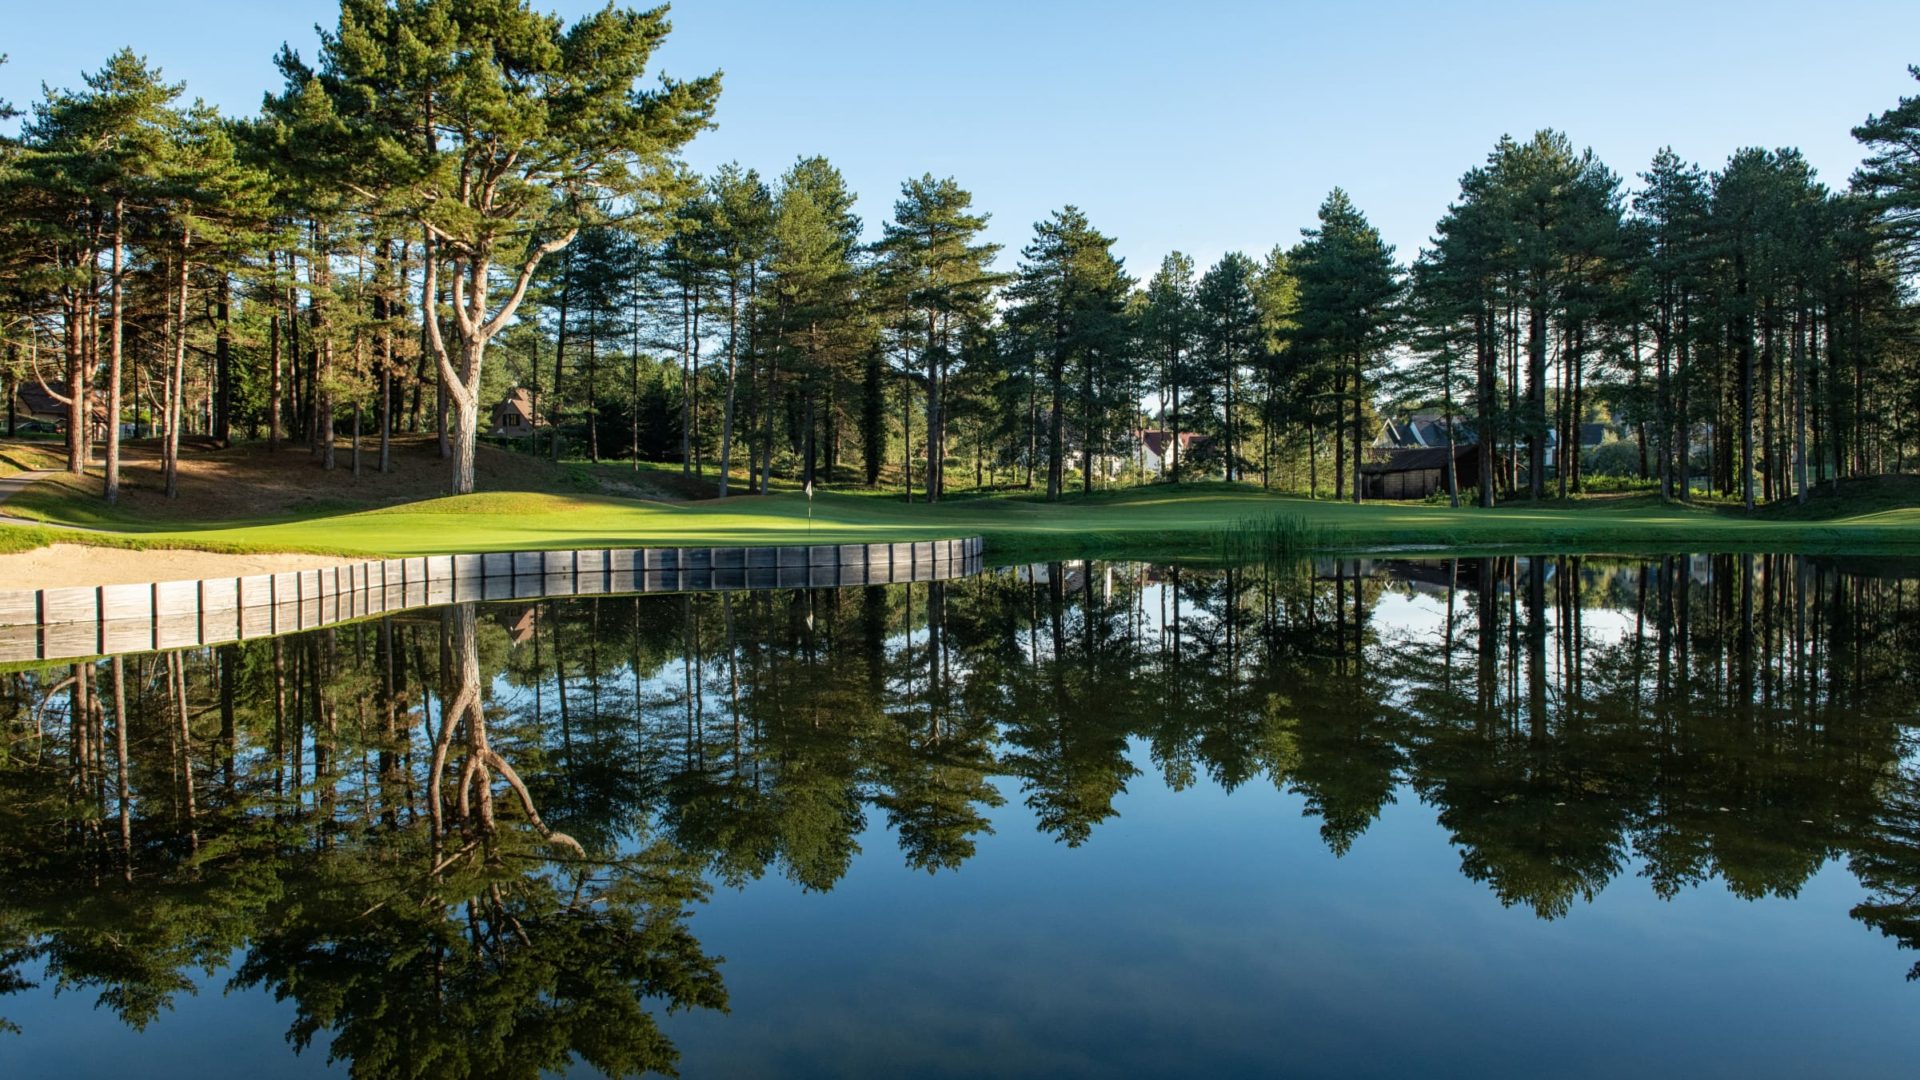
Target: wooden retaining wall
[53, 624]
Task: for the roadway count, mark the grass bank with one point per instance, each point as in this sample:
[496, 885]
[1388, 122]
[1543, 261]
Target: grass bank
[1154, 521]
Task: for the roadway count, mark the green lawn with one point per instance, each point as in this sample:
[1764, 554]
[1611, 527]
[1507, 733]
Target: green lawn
[23, 457]
[1140, 521]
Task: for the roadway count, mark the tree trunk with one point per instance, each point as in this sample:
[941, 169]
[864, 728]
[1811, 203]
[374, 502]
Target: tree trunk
[320, 274]
[1340, 441]
[1745, 353]
[1056, 433]
[461, 434]
[733, 365]
[1086, 433]
[1800, 403]
[1173, 441]
[593, 397]
[693, 385]
[1453, 471]
[222, 362]
[560, 356]
[115, 351]
[1536, 399]
[76, 385]
[176, 378]
[1359, 399]
[1486, 389]
[1683, 406]
[273, 368]
[906, 430]
[936, 435]
[385, 303]
[1313, 461]
[686, 381]
[769, 408]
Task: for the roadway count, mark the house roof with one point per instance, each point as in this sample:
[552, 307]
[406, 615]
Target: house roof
[517, 400]
[40, 401]
[1415, 460]
[1158, 441]
[1434, 432]
[1422, 431]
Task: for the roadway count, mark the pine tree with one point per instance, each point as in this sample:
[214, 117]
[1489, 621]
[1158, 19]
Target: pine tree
[740, 228]
[1672, 212]
[211, 208]
[1758, 203]
[1166, 334]
[499, 133]
[1349, 292]
[1230, 333]
[93, 156]
[1445, 335]
[1276, 291]
[1889, 178]
[932, 266]
[1070, 295]
[814, 284]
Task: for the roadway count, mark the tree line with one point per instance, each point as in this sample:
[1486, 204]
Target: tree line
[442, 186]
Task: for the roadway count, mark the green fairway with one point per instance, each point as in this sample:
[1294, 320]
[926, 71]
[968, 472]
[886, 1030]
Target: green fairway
[1140, 521]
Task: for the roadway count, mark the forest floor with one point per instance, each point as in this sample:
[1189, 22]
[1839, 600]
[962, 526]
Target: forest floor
[247, 500]
[251, 483]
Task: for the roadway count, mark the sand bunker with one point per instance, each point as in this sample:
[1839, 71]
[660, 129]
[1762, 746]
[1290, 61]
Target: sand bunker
[61, 565]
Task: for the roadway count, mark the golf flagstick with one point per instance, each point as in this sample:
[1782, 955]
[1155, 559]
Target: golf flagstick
[809, 509]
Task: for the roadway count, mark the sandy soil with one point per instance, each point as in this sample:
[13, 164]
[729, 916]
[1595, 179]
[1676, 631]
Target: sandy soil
[249, 481]
[61, 565]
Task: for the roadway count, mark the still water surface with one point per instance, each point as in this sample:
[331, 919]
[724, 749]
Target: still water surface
[1508, 816]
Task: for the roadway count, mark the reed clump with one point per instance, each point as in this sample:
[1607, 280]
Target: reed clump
[1269, 538]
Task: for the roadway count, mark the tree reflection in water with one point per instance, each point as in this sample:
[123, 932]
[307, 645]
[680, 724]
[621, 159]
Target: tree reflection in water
[467, 843]
[425, 934]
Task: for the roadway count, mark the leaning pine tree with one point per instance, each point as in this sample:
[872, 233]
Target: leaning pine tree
[498, 132]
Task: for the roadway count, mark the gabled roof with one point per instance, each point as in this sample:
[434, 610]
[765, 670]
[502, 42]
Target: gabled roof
[40, 401]
[517, 400]
[1395, 434]
[1422, 432]
[1157, 442]
[1434, 432]
[1415, 460]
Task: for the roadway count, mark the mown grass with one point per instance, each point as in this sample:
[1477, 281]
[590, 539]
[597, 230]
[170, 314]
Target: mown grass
[17, 457]
[1165, 521]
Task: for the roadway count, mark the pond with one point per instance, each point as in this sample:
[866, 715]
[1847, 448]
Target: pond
[1494, 816]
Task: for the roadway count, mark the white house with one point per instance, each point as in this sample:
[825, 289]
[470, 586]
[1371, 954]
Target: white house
[1154, 447]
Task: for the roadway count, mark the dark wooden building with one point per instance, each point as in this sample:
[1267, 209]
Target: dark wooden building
[34, 401]
[1416, 474]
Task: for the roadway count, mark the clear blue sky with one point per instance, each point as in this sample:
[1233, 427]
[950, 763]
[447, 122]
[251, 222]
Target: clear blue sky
[1203, 126]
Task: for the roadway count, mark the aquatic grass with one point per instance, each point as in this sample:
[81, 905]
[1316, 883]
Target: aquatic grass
[1273, 540]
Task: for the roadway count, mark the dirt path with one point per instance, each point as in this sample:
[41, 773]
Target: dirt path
[62, 565]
